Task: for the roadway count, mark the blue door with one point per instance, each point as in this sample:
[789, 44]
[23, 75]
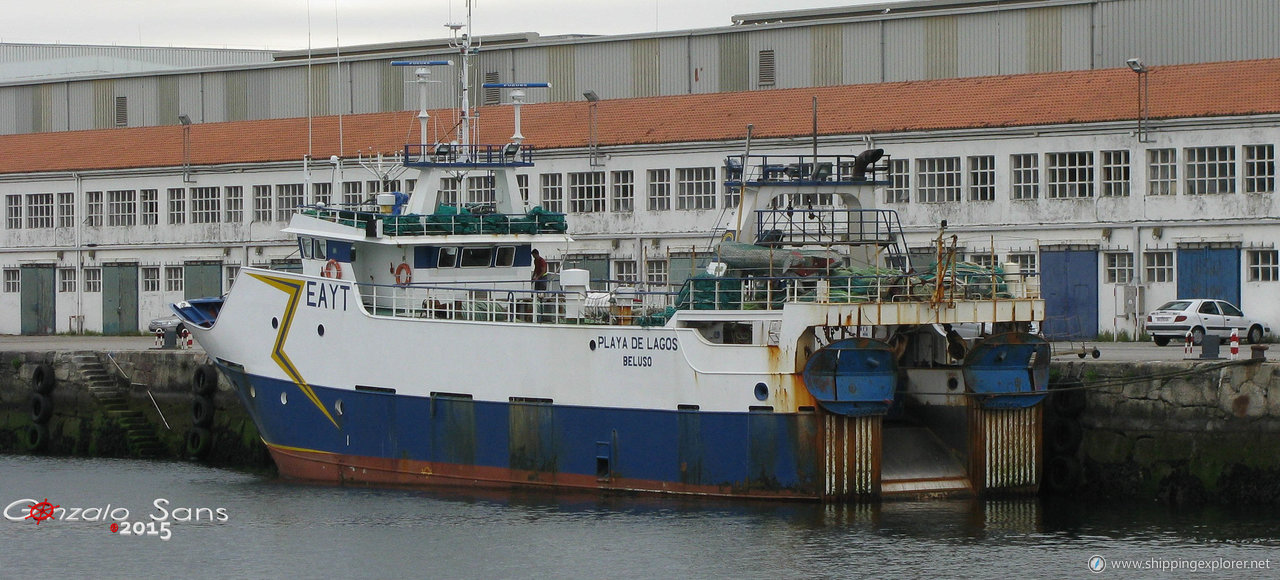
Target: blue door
[1069, 285]
[1209, 273]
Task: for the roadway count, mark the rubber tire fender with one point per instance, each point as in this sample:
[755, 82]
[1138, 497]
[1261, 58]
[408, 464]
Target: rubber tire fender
[202, 411]
[41, 408]
[1068, 402]
[1064, 436]
[37, 437]
[204, 381]
[1062, 474]
[42, 379]
[199, 442]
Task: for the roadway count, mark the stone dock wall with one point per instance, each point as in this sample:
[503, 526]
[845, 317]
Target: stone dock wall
[1182, 432]
[1178, 432]
[96, 411]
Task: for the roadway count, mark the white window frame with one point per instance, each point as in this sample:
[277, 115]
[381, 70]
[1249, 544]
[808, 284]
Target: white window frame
[151, 279]
[552, 191]
[982, 178]
[659, 189]
[177, 197]
[587, 192]
[623, 186]
[1025, 171]
[149, 204]
[1259, 168]
[1116, 173]
[1162, 171]
[1158, 265]
[899, 189]
[40, 211]
[1119, 267]
[1210, 170]
[173, 279]
[1264, 266]
[695, 188]
[1069, 174]
[938, 179]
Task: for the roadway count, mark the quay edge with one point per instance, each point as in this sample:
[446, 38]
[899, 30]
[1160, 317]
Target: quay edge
[1178, 432]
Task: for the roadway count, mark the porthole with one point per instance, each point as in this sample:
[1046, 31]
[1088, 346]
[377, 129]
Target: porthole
[320, 329]
[284, 398]
[592, 345]
[275, 322]
[762, 391]
[337, 406]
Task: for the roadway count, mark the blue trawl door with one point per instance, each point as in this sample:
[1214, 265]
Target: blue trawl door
[1069, 285]
[1209, 273]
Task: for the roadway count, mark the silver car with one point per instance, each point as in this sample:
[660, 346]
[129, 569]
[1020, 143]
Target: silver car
[1201, 316]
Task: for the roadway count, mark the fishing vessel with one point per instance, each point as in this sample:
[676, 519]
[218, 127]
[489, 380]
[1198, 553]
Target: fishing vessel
[807, 360]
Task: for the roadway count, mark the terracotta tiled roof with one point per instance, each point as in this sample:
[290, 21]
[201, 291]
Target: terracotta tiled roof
[1197, 90]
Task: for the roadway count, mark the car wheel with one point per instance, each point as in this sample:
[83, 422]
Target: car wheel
[1255, 335]
[1197, 336]
[1162, 341]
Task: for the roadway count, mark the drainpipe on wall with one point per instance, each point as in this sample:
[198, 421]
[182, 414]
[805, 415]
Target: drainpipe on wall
[79, 203]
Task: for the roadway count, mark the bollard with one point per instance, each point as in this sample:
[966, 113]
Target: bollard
[1235, 344]
[1186, 347]
[1258, 351]
[183, 338]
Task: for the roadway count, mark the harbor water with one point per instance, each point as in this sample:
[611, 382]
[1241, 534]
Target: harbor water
[228, 524]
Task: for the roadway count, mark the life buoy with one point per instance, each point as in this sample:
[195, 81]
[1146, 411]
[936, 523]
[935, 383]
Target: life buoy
[332, 269]
[199, 441]
[404, 274]
[202, 411]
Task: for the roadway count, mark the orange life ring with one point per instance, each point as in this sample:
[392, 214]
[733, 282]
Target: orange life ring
[404, 274]
[332, 269]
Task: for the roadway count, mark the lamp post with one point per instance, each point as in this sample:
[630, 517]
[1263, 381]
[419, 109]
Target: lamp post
[1144, 98]
[592, 144]
[186, 147]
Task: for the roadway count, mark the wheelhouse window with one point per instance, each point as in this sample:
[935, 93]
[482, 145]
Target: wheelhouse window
[1070, 174]
[448, 257]
[505, 257]
[1210, 170]
[477, 257]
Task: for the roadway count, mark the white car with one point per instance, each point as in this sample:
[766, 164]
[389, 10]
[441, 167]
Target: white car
[1201, 316]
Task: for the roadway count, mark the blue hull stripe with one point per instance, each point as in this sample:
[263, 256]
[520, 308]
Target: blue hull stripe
[745, 452]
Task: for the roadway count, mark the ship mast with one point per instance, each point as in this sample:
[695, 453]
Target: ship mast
[466, 47]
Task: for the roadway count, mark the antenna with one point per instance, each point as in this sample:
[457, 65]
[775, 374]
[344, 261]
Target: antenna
[517, 99]
[423, 72]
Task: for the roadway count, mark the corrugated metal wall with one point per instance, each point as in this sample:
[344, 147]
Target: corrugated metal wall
[735, 58]
[646, 59]
[560, 72]
[827, 54]
[983, 40]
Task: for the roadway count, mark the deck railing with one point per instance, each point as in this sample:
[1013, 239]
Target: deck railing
[515, 301]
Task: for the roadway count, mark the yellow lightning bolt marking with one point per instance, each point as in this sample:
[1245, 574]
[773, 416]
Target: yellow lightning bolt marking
[294, 289]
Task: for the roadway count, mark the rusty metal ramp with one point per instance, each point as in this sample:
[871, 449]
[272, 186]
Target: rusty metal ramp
[916, 461]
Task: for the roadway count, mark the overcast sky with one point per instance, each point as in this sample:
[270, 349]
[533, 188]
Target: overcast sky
[283, 24]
